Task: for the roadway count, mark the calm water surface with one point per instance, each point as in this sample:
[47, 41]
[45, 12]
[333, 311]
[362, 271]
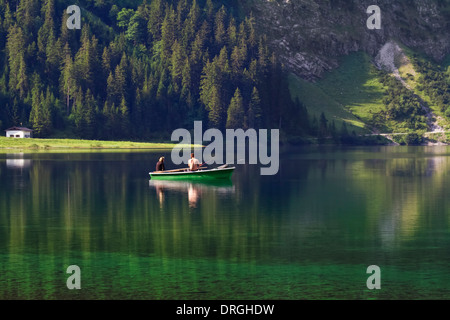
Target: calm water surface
[308, 233]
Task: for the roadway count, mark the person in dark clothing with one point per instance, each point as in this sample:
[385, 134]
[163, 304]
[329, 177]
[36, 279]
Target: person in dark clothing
[160, 165]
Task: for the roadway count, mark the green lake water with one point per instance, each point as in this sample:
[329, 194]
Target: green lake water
[309, 232]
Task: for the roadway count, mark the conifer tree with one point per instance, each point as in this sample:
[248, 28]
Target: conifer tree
[124, 118]
[36, 115]
[220, 30]
[236, 114]
[217, 112]
[167, 36]
[68, 85]
[155, 20]
[90, 115]
[345, 136]
[333, 131]
[254, 110]
[232, 32]
[323, 126]
[16, 55]
[177, 66]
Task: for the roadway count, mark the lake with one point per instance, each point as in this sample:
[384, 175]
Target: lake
[309, 232]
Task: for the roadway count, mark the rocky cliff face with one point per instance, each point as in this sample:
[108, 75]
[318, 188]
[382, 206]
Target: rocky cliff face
[310, 35]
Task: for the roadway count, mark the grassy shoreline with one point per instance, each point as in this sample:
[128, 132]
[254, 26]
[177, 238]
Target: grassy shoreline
[61, 144]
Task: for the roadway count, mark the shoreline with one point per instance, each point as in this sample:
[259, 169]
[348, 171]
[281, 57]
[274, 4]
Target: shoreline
[35, 144]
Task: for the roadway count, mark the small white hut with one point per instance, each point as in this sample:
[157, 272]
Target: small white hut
[18, 132]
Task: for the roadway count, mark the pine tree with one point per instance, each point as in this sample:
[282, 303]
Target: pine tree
[167, 36]
[345, 136]
[182, 12]
[254, 110]
[120, 79]
[209, 9]
[232, 32]
[155, 20]
[18, 81]
[68, 84]
[186, 75]
[53, 61]
[162, 86]
[262, 53]
[26, 12]
[211, 95]
[112, 15]
[220, 28]
[36, 115]
[235, 119]
[137, 116]
[22, 79]
[106, 63]
[124, 118]
[250, 25]
[303, 117]
[8, 17]
[191, 24]
[216, 109]
[177, 66]
[323, 126]
[78, 114]
[47, 29]
[236, 61]
[110, 88]
[314, 126]
[222, 61]
[47, 106]
[66, 35]
[90, 115]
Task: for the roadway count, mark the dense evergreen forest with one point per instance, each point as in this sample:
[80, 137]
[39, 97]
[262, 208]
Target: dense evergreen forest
[138, 70]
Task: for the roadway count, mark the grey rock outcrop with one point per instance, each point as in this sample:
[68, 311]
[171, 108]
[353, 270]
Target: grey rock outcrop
[309, 36]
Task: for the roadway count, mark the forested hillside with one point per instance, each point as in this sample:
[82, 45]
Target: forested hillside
[138, 69]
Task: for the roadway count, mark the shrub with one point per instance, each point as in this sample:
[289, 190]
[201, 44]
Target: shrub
[412, 139]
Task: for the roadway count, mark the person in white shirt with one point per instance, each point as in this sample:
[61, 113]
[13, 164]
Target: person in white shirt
[193, 163]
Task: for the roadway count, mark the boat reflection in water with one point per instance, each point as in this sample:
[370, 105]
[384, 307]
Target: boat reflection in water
[194, 189]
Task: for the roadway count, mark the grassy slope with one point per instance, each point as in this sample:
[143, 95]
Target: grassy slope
[409, 68]
[14, 143]
[345, 94]
[351, 91]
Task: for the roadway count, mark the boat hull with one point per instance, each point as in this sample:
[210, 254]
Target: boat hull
[194, 175]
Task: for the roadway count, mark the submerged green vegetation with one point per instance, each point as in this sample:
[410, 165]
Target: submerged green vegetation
[308, 233]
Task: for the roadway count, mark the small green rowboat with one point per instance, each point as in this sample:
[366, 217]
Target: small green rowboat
[223, 172]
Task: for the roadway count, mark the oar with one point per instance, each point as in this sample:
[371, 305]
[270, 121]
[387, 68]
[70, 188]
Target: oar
[176, 170]
[179, 170]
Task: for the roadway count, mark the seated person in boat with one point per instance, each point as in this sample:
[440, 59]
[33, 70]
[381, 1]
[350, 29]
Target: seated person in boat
[193, 163]
[160, 165]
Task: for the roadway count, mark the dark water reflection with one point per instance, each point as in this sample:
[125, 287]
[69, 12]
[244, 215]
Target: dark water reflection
[309, 232]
